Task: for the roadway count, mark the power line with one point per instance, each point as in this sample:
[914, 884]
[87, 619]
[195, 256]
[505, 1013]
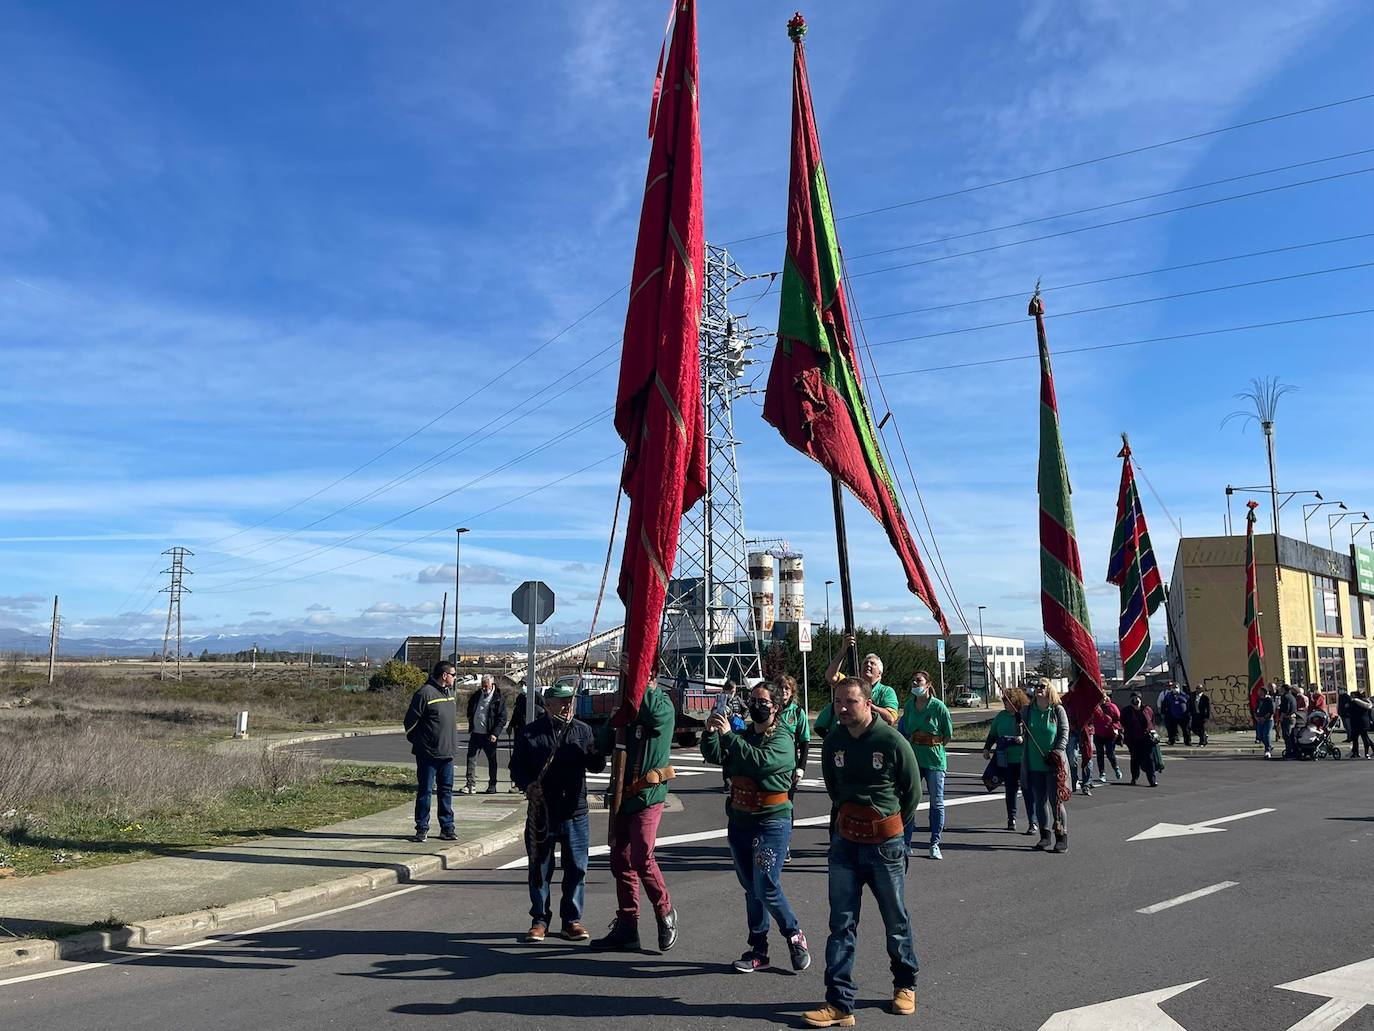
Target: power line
[1128, 304]
[1077, 164]
[1132, 343]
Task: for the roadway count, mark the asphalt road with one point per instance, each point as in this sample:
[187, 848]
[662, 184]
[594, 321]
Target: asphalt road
[1006, 937]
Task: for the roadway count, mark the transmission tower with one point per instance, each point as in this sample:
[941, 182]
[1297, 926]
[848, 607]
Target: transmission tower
[174, 591]
[708, 626]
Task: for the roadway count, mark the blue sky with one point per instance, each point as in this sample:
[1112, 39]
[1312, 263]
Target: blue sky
[245, 249]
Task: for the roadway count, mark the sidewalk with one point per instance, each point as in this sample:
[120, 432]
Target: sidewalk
[182, 897]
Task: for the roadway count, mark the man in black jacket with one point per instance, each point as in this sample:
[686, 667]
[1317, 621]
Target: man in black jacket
[431, 727]
[550, 763]
[486, 718]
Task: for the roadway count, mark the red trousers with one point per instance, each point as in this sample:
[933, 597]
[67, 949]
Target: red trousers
[633, 862]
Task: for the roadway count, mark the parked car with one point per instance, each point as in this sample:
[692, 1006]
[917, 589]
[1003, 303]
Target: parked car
[968, 699]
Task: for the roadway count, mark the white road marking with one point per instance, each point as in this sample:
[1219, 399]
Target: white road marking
[715, 835]
[216, 940]
[1347, 990]
[1179, 830]
[1133, 1013]
[1211, 889]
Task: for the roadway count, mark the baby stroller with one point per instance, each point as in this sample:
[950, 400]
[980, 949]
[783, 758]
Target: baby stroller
[1312, 736]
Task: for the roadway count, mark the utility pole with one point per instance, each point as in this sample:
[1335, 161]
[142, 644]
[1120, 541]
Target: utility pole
[254, 668]
[443, 622]
[52, 643]
[174, 591]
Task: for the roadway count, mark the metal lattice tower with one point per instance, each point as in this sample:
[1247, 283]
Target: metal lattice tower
[708, 625]
[174, 591]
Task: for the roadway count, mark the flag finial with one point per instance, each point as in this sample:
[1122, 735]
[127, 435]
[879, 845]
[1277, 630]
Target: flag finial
[796, 27]
[1125, 451]
[1252, 504]
[1037, 306]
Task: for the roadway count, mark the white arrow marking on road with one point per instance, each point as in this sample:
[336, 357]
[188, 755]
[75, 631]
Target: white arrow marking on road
[1133, 1013]
[1179, 830]
[1347, 990]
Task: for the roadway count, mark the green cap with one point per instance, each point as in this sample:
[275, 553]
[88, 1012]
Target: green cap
[559, 691]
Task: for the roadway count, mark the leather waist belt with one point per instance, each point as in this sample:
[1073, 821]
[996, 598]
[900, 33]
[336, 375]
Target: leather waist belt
[650, 779]
[920, 737]
[864, 825]
[748, 797]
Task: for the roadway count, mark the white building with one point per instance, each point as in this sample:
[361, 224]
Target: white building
[1005, 657]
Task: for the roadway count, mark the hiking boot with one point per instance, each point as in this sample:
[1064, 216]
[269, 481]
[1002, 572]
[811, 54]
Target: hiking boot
[828, 1015]
[751, 961]
[1043, 845]
[575, 932]
[448, 835]
[798, 951]
[418, 836]
[623, 936]
[1061, 842]
[535, 935]
[904, 1001]
[667, 930]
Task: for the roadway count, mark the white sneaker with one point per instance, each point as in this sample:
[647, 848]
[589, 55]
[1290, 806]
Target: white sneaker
[935, 852]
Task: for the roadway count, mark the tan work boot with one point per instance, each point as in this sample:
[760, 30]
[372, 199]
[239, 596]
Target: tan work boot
[828, 1015]
[904, 1001]
[535, 934]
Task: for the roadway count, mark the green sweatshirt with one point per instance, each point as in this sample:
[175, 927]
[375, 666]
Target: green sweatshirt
[649, 745]
[1004, 724]
[1043, 725]
[766, 759]
[934, 719]
[876, 769]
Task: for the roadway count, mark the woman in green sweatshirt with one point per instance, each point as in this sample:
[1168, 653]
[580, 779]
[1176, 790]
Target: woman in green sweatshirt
[1006, 743]
[759, 762]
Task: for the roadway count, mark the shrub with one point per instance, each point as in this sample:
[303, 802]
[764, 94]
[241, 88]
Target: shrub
[396, 674]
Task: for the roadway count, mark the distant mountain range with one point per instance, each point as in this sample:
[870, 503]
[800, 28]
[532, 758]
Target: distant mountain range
[12, 640]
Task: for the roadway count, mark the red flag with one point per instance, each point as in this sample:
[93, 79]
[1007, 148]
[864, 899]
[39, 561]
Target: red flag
[815, 398]
[658, 409]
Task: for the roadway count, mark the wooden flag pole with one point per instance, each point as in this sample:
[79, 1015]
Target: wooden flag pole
[846, 591]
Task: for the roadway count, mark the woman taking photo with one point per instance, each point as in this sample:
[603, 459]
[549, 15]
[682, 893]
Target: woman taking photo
[1138, 728]
[758, 762]
[1006, 742]
[1044, 762]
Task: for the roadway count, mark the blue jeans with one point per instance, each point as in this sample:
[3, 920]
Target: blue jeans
[1044, 792]
[434, 775]
[882, 868]
[1264, 730]
[758, 852]
[569, 836]
[1078, 776]
[934, 781]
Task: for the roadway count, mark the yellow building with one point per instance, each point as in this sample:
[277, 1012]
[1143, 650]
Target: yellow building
[1314, 617]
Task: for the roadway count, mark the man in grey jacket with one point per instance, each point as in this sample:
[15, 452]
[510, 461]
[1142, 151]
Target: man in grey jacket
[431, 727]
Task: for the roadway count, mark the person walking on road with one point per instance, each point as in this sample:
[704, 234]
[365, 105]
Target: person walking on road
[1264, 721]
[1361, 714]
[1138, 729]
[874, 786]
[431, 727]
[760, 762]
[927, 724]
[486, 718]
[549, 763]
[1176, 716]
[1005, 743]
[1288, 714]
[794, 719]
[1202, 712]
[1044, 762]
[635, 827]
[884, 699]
[1106, 728]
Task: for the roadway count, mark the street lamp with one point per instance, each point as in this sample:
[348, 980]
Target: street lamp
[1333, 520]
[983, 654]
[1306, 515]
[1287, 497]
[457, 584]
[1355, 530]
[829, 633]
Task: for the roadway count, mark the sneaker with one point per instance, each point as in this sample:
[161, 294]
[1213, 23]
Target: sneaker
[418, 836]
[787, 858]
[575, 932]
[797, 949]
[1102, 778]
[904, 1001]
[828, 1015]
[667, 930]
[623, 936]
[448, 835]
[935, 852]
[535, 935]
[1087, 790]
[751, 961]
[468, 790]
[1011, 825]
[512, 790]
[1030, 830]
[490, 791]
[1117, 771]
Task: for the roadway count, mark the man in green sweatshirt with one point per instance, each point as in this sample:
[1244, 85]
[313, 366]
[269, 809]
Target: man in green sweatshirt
[759, 762]
[871, 776]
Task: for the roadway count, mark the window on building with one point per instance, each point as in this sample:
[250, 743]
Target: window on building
[1362, 669]
[1331, 669]
[1326, 606]
[1001, 650]
[1356, 615]
[1298, 674]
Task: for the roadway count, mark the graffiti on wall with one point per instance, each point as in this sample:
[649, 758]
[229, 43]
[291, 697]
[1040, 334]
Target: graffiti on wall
[1230, 702]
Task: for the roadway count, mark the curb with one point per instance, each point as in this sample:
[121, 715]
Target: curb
[171, 930]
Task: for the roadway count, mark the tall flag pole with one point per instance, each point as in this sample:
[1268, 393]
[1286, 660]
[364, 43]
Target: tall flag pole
[1254, 645]
[1133, 568]
[658, 408]
[814, 397]
[1063, 601]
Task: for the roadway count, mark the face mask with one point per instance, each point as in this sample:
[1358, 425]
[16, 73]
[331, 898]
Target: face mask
[760, 712]
[919, 691]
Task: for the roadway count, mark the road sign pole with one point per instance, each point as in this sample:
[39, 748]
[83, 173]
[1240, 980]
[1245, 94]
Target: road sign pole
[940, 649]
[804, 646]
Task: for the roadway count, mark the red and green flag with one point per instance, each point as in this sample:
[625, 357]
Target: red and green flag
[815, 398]
[1134, 570]
[1063, 600]
[1254, 645]
[658, 408]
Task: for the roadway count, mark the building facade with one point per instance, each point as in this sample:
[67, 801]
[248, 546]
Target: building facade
[1006, 660]
[1313, 615]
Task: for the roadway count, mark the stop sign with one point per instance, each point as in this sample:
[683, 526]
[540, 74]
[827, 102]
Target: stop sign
[532, 602]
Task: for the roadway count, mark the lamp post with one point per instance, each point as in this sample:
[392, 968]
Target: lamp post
[1287, 497]
[983, 654]
[1306, 515]
[1355, 530]
[457, 585]
[1332, 521]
